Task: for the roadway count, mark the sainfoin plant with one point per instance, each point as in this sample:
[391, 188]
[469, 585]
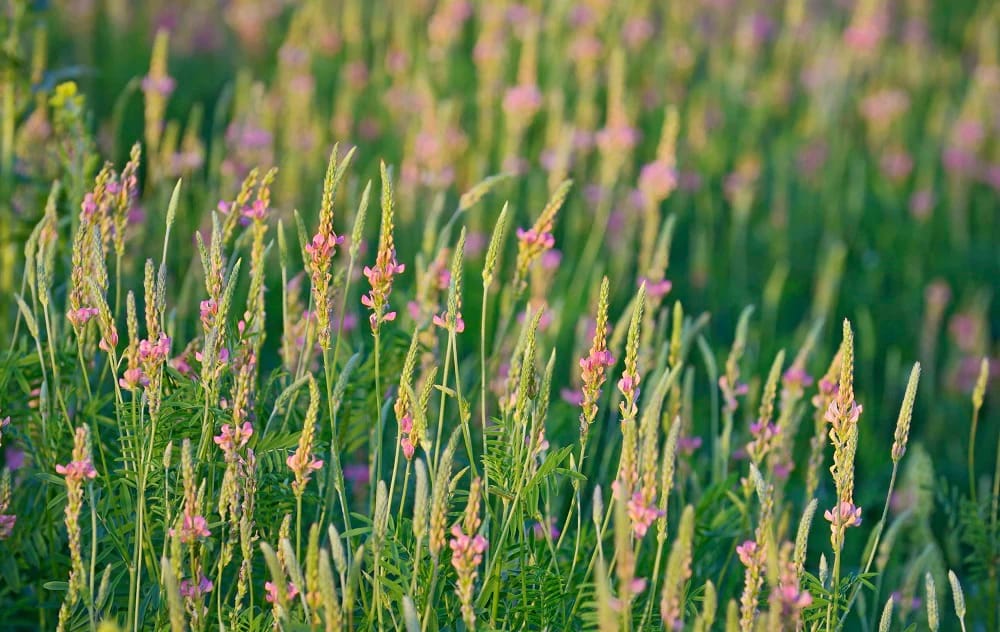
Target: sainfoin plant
[729, 366]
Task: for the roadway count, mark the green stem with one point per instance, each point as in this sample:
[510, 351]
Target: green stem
[93, 558]
[463, 417]
[439, 437]
[376, 460]
[336, 470]
[482, 388]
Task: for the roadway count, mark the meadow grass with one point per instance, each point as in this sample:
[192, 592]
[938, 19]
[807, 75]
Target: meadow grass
[542, 316]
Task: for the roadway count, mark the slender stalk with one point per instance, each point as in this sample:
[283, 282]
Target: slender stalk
[972, 454]
[482, 387]
[374, 473]
[466, 432]
[336, 469]
[438, 438]
[92, 616]
[880, 529]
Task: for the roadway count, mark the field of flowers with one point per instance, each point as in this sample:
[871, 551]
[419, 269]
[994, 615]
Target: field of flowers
[462, 315]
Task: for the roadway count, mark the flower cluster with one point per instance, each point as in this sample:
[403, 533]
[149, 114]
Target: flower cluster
[192, 528]
[76, 472]
[7, 521]
[467, 549]
[533, 242]
[656, 289]
[730, 393]
[195, 591]
[520, 104]
[271, 590]
[788, 599]
[594, 366]
[842, 415]
[232, 438]
[381, 275]
[303, 462]
[844, 515]
[657, 180]
[642, 513]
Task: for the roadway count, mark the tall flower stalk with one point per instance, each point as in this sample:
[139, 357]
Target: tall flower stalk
[380, 278]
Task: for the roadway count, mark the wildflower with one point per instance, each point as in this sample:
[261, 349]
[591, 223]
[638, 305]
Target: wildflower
[257, 211]
[233, 438]
[321, 249]
[629, 387]
[845, 514]
[208, 310]
[541, 530]
[642, 514]
[788, 596]
[356, 473]
[572, 396]
[191, 529]
[959, 161]
[551, 259]
[7, 521]
[585, 50]
[157, 86]
[910, 604]
[380, 276]
[440, 499]
[521, 103]
[896, 165]
[842, 414]
[535, 241]
[796, 378]
[76, 472]
[656, 289]
[922, 204]
[747, 552]
[272, 591]
[222, 359]
[152, 352]
[763, 432]
[688, 445]
[302, 462]
[678, 573]
[467, 549]
[532, 238]
[732, 393]
[753, 554]
[133, 378]
[880, 109]
[617, 139]
[657, 180]
[191, 590]
[593, 367]
[835, 415]
[162, 86]
[14, 458]
[637, 31]
[441, 321]
[81, 316]
[408, 448]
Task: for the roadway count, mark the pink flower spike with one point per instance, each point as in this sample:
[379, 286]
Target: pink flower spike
[408, 448]
[844, 515]
[7, 522]
[747, 552]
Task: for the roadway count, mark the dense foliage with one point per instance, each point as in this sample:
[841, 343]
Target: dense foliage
[481, 315]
